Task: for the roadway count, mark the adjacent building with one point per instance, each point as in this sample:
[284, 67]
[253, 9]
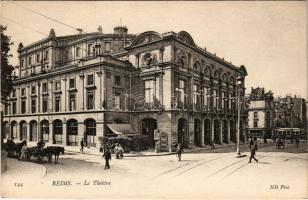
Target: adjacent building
[90, 84]
[261, 113]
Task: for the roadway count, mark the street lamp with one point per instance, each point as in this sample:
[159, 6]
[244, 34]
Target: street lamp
[239, 80]
[291, 110]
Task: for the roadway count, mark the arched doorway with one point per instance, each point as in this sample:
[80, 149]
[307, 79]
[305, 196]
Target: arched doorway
[225, 138]
[90, 132]
[197, 131]
[207, 131]
[183, 132]
[232, 131]
[23, 130]
[148, 127]
[44, 130]
[216, 131]
[6, 130]
[72, 131]
[33, 131]
[57, 131]
[13, 130]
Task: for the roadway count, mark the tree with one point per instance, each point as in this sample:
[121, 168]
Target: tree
[6, 70]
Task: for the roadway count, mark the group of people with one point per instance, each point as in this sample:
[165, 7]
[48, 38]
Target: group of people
[118, 151]
[40, 145]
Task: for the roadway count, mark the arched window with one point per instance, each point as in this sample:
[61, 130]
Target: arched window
[72, 130]
[45, 130]
[57, 131]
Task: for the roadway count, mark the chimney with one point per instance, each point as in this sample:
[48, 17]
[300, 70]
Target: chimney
[79, 31]
[100, 30]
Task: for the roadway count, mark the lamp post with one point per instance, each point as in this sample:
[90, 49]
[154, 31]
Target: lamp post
[291, 110]
[239, 80]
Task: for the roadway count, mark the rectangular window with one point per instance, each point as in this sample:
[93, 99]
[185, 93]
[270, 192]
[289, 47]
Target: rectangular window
[268, 124]
[14, 92]
[268, 114]
[90, 49]
[46, 55]
[90, 100]
[223, 100]
[196, 95]
[117, 100]
[23, 106]
[149, 91]
[57, 86]
[255, 123]
[66, 55]
[45, 105]
[181, 91]
[14, 107]
[107, 47]
[30, 60]
[72, 102]
[117, 80]
[33, 106]
[38, 58]
[72, 83]
[6, 109]
[255, 115]
[215, 98]
[78, 52]
[22, 63]
[90, 79]
[33, 89]
[57, 103]
[44, 88]
[205, 96]
[23, 92]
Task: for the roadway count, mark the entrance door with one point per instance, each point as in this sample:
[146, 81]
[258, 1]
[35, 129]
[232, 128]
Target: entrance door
[148, 127]
[197, 127]
[182, 132]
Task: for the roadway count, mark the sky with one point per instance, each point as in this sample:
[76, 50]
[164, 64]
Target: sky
[269, 38]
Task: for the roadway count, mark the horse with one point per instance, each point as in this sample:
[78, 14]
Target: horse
[55, 150]
[14, 148]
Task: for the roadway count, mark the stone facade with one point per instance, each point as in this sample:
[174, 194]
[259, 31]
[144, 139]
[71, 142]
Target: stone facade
[72, 87]
[261, 113]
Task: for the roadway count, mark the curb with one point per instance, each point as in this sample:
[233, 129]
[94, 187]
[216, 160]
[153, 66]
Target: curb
[162, 154]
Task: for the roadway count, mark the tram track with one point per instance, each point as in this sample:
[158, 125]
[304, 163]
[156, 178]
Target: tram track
[206, 160]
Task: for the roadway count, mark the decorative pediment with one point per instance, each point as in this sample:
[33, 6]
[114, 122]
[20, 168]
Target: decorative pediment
[146, 37]
[186, 38]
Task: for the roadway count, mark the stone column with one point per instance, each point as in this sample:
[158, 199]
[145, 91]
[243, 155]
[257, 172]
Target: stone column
[221, 132]
[212, 131]
[18, 102]
[64, 91]
[28, 107]
[81, 132]
[50, 139]
[161, 54]
[38, 97]
[81, 76]
[98, 92]
[228, 128]
[50, 93]
[28, 131]
[202, 132]
[64, 134]
[99, 133]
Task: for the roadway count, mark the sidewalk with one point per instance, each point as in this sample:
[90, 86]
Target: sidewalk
[95, 151]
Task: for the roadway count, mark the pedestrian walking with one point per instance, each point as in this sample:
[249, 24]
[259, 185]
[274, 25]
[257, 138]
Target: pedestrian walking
[250, 143]
[23, 152]
[116, 151]
[297, 141]
[107, 156]
[253, 150]
[179, 151]
[212, 144]
[121, 151]
[82, 145]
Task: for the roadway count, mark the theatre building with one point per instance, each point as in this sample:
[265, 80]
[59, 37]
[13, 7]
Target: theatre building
[90, 85]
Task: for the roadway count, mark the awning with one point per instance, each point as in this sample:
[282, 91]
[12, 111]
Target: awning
[122, 129]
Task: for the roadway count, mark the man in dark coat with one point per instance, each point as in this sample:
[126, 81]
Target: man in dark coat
[253, 150]
[82, 145]
[179, 151]
[297, 141]
[107, 156]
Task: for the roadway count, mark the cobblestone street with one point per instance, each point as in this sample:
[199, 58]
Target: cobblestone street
[206, 171]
